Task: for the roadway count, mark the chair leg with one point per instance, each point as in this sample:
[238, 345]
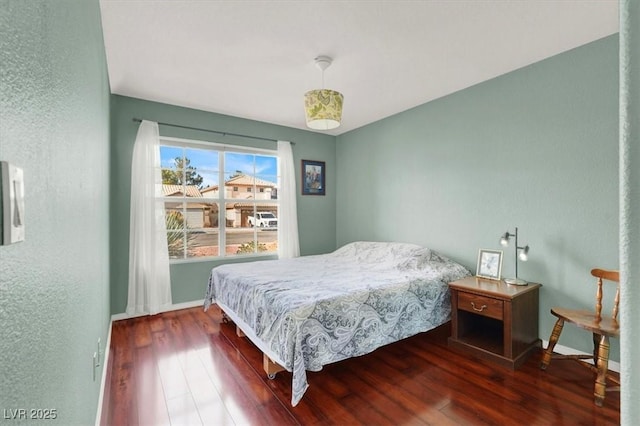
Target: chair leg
[553, 339]
[602, 364]
[596, 346]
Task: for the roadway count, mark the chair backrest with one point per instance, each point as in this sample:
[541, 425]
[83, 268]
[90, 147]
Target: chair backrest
[613, 276]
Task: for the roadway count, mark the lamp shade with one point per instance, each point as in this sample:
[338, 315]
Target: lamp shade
[323, 109]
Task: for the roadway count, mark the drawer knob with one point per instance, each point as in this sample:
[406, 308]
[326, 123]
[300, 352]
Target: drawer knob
[480, 309]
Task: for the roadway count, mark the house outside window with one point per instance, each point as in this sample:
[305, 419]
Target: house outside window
[205, 221]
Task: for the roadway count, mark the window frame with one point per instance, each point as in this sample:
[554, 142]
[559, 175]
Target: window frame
[221, 200]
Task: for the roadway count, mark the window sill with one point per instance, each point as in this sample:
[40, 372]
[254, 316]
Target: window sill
[225, 259]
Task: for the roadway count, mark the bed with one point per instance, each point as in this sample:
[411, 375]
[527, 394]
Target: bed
[311, 311]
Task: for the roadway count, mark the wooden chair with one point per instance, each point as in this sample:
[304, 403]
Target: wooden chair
[601, 328]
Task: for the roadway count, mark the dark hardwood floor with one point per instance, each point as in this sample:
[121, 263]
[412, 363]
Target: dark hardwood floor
[187, 368]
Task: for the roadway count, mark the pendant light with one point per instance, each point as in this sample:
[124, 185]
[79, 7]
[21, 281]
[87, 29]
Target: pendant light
[323, 107]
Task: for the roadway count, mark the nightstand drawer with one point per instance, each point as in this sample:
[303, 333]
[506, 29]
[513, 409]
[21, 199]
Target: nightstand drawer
[481, 305]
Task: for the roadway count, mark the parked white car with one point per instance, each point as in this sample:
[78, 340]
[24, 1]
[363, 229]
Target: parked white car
[263, 220]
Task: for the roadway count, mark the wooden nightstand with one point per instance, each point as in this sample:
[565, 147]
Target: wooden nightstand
[494, 321]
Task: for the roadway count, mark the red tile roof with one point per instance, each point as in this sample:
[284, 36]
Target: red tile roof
[188, 190]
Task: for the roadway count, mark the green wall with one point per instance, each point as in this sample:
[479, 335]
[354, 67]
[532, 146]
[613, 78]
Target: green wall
[54, 286]
[316, 214]
[536, 148]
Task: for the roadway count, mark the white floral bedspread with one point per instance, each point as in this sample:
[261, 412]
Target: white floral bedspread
[315, 310]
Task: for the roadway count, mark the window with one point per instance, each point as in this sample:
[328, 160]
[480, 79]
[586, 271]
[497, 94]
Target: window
[206, 213]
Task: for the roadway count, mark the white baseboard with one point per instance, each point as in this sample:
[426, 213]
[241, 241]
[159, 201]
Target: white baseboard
[175, 307]
[564, 350]
[103, 381]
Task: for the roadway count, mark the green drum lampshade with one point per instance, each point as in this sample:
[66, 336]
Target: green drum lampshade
[323, 109]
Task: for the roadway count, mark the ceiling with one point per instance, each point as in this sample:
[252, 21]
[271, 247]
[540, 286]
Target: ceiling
[255, 59]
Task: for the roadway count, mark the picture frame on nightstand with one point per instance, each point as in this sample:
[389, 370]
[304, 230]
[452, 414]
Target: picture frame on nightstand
[489, 264]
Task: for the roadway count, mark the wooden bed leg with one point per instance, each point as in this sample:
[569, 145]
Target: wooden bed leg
[239, 332]
[270, 367]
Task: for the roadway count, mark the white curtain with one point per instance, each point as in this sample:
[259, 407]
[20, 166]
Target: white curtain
[149, 279]
[288, 244]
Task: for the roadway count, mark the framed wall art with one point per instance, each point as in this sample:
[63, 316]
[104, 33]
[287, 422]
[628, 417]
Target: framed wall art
[313, 177]
[13, 217]
[489, 264]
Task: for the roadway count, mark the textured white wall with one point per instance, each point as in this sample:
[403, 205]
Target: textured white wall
[630, 210]
[54, 123]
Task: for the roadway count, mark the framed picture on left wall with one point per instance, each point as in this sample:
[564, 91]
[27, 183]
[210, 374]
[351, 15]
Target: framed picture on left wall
[13, 217]
[313, 177]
